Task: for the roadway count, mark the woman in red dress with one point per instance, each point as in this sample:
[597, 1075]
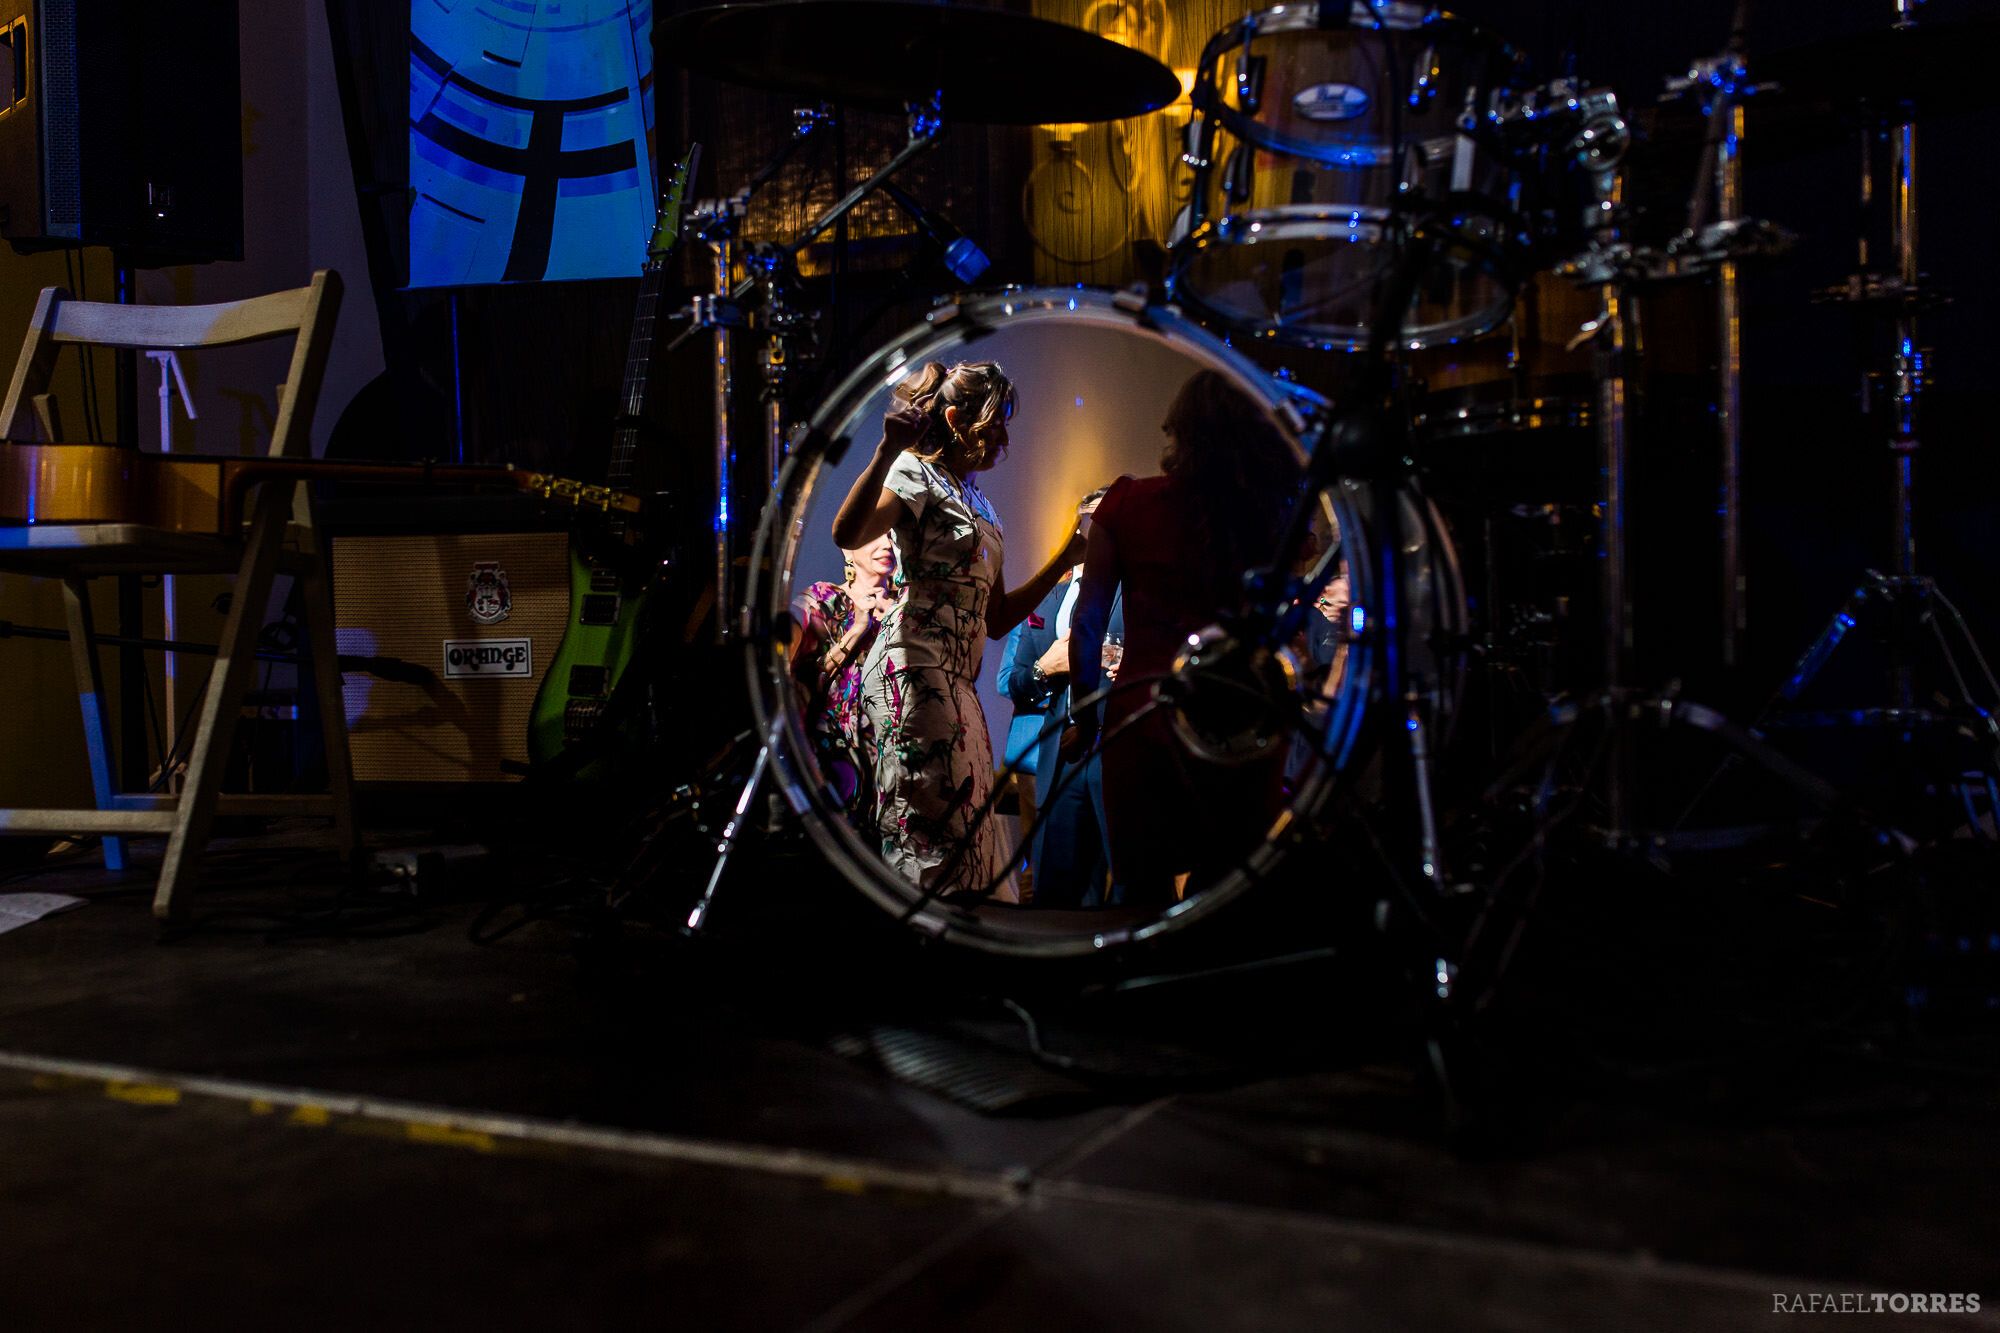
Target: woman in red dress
[1178, 545]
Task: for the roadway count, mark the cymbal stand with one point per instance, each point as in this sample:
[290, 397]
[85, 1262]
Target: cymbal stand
[1722, 83]
[1620, 272]
[729, 305]
[726, 308]
[1910, 600]
[719, 222]
[770, 265]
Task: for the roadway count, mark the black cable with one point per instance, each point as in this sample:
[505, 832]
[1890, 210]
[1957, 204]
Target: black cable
[153, 717]
[93, 416]
[173, 756]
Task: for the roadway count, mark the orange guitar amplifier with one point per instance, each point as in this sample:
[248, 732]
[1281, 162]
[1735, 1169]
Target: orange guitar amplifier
[483, 612]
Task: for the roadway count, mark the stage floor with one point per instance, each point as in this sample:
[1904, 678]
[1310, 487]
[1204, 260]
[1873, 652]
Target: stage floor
[289, 1118]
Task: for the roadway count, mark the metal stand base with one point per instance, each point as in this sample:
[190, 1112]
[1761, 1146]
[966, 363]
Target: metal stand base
[1911, 604]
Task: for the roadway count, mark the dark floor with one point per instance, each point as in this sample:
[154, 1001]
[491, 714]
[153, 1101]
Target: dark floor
[288, 1117]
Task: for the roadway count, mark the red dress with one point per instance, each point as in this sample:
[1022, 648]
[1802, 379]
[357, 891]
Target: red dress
[1166, 811]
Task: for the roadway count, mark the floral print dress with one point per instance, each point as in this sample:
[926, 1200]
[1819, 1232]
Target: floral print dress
[934, 770]
[831, 705]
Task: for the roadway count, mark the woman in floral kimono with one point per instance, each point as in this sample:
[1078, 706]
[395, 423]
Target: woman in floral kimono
[837, 625]
[934, 768]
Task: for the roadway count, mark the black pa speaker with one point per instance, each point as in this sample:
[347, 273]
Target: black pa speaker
[121, 125]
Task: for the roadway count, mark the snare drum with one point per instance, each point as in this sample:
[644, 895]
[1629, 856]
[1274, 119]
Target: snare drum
[1307, 139]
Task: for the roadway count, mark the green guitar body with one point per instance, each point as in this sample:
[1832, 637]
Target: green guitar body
[607, 599]
[605, 614]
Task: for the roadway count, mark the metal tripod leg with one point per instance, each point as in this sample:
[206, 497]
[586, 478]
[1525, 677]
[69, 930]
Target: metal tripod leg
[1910, 602]
[1814, 659]
[732, 831]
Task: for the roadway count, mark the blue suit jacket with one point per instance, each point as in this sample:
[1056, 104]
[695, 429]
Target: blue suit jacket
[1030, 639]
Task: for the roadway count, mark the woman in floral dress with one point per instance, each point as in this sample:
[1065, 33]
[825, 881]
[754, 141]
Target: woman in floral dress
[837, 624]
[934, 767]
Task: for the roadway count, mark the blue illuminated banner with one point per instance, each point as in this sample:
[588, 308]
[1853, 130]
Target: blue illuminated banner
[531, 140]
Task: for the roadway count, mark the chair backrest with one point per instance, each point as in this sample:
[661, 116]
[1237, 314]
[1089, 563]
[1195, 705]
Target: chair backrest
[306, 314]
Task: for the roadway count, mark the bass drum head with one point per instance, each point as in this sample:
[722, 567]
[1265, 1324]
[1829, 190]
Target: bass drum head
[1093, 374]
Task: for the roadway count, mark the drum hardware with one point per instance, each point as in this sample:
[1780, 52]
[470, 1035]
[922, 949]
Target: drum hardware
[1621, 272]
[1097, 329]
[768, 269]
[1236, 692]
[1904, 599]
[1367, 442]
[718, 222]
[732, 831]
[929, 70]
[1722, 84]
[1342, 117]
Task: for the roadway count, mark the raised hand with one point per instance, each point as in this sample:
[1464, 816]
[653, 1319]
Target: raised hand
[904, 427]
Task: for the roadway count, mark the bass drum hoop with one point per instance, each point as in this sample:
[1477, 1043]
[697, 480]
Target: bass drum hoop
[768, 591]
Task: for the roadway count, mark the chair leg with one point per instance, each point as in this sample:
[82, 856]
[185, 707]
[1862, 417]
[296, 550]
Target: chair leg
[228, 682]
[90, 695]
[332, 702]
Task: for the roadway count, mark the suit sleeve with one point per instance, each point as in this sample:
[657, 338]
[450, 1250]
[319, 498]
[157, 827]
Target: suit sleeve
[1017, 660]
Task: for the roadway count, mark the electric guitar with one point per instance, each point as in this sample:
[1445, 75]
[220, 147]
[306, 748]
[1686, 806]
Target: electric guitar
[608, 585]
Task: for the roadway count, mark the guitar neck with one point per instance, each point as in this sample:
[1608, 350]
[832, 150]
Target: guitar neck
[638, 366]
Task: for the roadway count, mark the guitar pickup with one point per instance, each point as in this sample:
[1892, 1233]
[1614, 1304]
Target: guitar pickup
[599, 608]
[580, 718]
[589, 681]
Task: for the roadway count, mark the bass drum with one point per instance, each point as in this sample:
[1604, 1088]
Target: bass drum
[1094, 374]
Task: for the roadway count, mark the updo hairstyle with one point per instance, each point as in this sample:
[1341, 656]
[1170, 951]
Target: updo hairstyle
[979, 389]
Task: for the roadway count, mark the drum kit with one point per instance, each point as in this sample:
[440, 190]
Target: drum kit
[1388, 192]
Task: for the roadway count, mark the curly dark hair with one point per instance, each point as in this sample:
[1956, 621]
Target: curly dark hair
[979, 389]
[1238, 470]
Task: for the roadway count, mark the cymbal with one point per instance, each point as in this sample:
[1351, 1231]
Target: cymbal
[1932, 69]
[990, 65]
[1819, 96]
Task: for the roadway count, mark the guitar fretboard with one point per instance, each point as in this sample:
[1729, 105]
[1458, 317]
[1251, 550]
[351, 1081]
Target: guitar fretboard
[638, 363]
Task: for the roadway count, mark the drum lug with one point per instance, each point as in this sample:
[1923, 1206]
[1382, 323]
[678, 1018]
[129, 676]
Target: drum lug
[1236, 175]
[1426, 77]
[1198, 143]
[1249, 81]
[1134, 299]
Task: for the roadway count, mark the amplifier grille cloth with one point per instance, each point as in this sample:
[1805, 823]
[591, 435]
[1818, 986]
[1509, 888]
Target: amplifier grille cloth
[403, 596]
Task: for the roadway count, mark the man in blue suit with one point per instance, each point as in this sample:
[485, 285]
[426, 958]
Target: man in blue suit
[1070, 854]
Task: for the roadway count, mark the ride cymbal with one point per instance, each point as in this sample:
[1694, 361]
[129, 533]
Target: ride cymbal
[878, 55]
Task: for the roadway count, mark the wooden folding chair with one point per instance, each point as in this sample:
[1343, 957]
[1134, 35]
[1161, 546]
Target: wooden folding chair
[279, 537]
